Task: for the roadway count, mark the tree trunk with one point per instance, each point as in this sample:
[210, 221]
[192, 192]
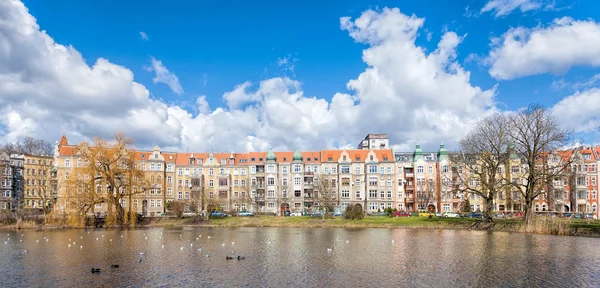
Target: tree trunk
[528, 212]
[489, 205]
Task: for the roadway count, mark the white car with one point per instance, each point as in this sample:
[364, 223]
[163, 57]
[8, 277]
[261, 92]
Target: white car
[296, 214]
[450, 215]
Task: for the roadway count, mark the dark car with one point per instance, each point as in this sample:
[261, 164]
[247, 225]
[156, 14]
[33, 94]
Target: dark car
[475, 215]
[287, 213]
[217, 214]
[317, 214]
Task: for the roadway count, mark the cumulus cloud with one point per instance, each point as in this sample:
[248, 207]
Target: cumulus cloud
[49, 90]
[553, 49]
[580, 111]
[162, 75]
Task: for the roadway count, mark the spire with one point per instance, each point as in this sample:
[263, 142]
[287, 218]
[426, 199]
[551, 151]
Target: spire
[418, 154]
[271, 155]
[63, 141]
[297, 155]
[511, 152]
[443, 153]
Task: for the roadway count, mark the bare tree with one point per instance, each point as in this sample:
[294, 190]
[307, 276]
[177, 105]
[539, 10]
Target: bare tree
[326, 193]
[113, 163]
[30, 146]
[425, 196]
[536, 132]
[484, 152]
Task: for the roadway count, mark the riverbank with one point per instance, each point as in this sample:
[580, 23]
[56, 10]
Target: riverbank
[541, 225]
[551, 226]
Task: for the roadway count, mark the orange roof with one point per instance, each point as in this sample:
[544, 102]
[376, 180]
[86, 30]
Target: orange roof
[67, 150]
[255, 157]
[334, 155]
[170, 157]
[358, 155]
[588, 151]
[311, 157]
[384, 155]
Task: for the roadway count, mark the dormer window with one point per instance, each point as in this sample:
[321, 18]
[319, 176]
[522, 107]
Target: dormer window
[253, 159]
[385, 158]
[371, 157]
[344, 157]
[284, 158]
[143, 156]
[357, 159]
[260, 159]
[223, 161]
[329, 159]
[199, 160]
[155, 156]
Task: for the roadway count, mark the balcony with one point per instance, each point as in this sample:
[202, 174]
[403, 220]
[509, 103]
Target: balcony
[259, 198]
[309, 174]
[309, 199]
[308, 184]
[409, 175]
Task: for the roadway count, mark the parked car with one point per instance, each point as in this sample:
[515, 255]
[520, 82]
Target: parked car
[246, 213]
[338, 214]
[217, 214]
[401, 214]
[296, 214]
[450, 215]
[425, 213]
[287, 213]
[190, 214]
[475, 215]
[317, 214]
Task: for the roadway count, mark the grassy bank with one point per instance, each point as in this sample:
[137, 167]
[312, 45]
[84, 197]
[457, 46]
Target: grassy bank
[539, 226]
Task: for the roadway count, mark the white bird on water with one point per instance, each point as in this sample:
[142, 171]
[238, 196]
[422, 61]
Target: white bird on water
[393, 241]
[223, 244]
[232, 243]
[163, 246]
[80, 247]
[69, 245]
[347, 241]
[329, 250]
[36, 241]
[181, 248]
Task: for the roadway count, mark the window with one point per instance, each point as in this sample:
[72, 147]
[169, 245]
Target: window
[515, 169]
[372, 180]
[211, 183]
[169, 191]
[445, 169]
[271, 193]
[284, 169]
[372, 193]
[236, 171]
[389, 194]
[223, 161]
[222, 181]
[297, 193]
[345, 181]
[67, 162]
[180, 171]
[297, 168]
[420, 169]
[430, 169]
[270, 181]
[236, 183]
[152, 203]
[345, 193]
[297, 181]
[284, 181]
[169, 168]
[243, 183]
[334, 170]
[372, 206]
[345, 169]
[372, 168]
[169, 179]
[271, 168]
[252, 169]
[271, 205]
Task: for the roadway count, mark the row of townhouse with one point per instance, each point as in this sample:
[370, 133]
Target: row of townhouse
[27, 181]
[278, 181]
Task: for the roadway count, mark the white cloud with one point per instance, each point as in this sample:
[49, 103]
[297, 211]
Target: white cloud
[48, 89]
[162, 75]
[554, 49]
[143, 35]
[504, 7]
[287, 63]
[580, 111]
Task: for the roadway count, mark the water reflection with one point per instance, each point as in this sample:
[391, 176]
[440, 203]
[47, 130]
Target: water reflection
[280, 257]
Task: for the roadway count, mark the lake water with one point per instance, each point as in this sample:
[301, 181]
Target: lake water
[279, 257]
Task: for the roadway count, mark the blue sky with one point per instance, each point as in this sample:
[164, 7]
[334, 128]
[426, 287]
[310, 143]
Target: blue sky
[213, 46]
[234, 41]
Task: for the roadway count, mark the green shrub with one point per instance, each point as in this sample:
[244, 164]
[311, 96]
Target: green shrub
[354, 212]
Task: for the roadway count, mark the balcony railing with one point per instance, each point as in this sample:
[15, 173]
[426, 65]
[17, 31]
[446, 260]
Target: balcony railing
[308, 183]
[409, 174]
[259, 198]
[309, 174]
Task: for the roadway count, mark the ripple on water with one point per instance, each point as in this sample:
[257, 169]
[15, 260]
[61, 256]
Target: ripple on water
[284, 257]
